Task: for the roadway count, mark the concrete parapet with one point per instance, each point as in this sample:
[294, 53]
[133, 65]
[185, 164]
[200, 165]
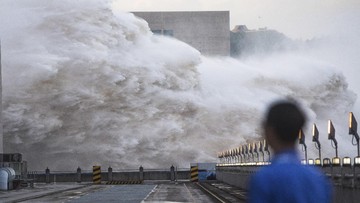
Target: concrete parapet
[341, 175]
[47, 175]
[172, 173]
[110, 174]
[79, 175]
[235, 175]
[141, 173]
[157, 175]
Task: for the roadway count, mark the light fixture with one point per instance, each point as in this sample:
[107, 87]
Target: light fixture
[353, 130]
[302, 141]
[331, 131]
[266, 148]
[315, 138]
[331, 136]
[336, 161]
[352, 124]
[346, 161]
[326, 162]
[357, 161]
[255, 151]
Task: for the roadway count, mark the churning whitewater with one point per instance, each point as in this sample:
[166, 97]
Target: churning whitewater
[84, 84]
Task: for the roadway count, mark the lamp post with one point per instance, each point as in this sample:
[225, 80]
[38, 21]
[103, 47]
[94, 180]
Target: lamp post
[266, 148]
[236, 155]
[315, 134]
[223, 157]
[331, 136]
[255, 150]
[247, 153]
[236, 158]
[226, 157]
[232, 156]
[251, 152]
[240, 154]
[353, 130]
[261, 150]
[243, 151]
[229, 156]
[302, 141]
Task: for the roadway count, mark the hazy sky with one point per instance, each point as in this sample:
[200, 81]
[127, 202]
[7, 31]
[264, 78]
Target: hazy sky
[295, 18]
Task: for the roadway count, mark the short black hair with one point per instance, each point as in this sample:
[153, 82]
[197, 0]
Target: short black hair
[286, 118]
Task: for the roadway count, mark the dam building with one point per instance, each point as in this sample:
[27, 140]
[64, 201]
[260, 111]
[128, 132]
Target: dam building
[207, 31]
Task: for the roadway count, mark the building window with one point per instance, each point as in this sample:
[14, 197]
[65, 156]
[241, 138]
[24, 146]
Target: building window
[169, 33]
[157, 32]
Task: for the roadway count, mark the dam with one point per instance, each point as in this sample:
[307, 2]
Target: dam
[146, 106]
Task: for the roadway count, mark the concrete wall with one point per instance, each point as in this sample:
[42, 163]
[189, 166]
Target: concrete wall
[207, 31]
[345, 180]
[235, 175]
[125, 176]
[116, 176]
[245, 43]
[156, 175]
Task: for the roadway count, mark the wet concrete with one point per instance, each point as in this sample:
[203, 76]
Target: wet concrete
[38, 191]
[118, 194]
[177, 192]
[151, 191]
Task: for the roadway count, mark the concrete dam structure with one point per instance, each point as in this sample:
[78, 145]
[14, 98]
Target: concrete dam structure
[206, 31]
[116, 91]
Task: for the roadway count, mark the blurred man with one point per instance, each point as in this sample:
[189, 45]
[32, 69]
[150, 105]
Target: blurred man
[286, 180]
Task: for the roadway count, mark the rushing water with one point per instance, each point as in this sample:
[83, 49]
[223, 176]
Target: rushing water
[84, 85]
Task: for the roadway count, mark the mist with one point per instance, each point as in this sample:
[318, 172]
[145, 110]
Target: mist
[84, 84]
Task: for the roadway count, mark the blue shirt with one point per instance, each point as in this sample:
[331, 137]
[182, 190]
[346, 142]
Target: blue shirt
[286, 180]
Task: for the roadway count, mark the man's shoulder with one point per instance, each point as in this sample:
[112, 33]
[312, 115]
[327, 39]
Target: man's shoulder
[283, 169]
[267, 171]
[314, 172]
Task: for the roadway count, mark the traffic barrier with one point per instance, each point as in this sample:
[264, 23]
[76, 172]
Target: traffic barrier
[194, 171]
[130, 182]
[96, 174]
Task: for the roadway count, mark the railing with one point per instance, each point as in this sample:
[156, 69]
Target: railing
[237, 165]
[109, 174]
[258, 153]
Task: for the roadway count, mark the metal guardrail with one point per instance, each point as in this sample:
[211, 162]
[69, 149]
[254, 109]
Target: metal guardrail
[105, 170]
[109, 174]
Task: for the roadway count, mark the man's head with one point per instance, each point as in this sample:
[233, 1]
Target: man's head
[282, 123]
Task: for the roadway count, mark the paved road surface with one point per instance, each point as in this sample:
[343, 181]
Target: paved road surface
[149, 192]
[180, 192]
[40, 190]
[118, 193]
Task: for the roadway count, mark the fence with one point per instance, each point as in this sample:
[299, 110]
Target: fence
[78, 175]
